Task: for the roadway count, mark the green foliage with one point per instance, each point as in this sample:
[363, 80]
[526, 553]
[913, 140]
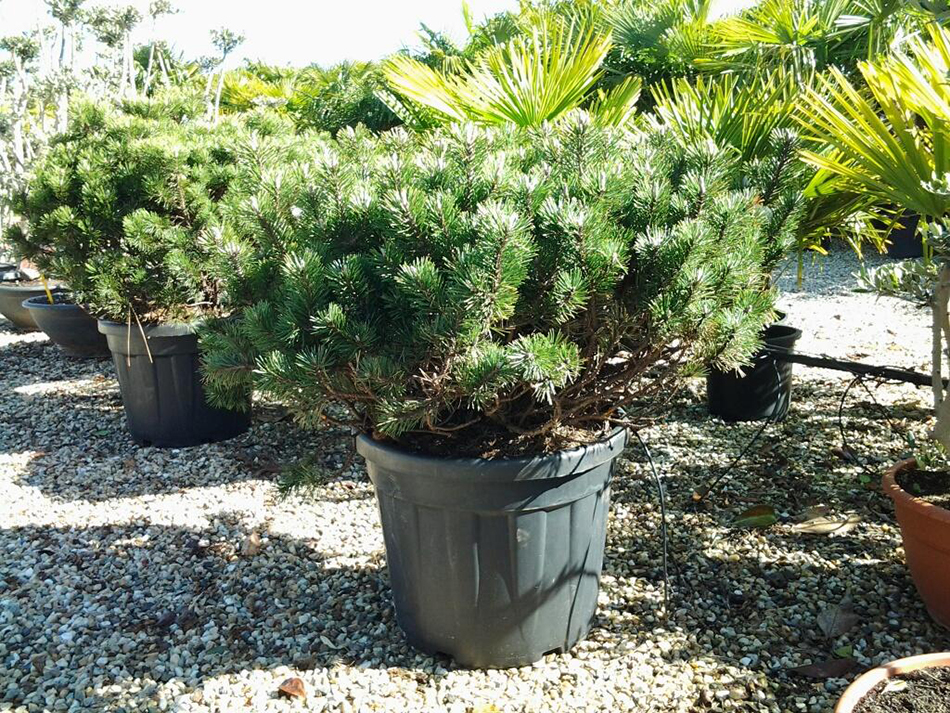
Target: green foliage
[316, 99]
[127, 211]
[658, 40]
[502, 279]
[340, 96]
[527, 81]
[745, 114]
[805, 36]
[890, 140]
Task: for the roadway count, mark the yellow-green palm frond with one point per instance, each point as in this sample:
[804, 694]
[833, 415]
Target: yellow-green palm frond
[891, 141]
[526, 81]
[616, 106]
[727, 109]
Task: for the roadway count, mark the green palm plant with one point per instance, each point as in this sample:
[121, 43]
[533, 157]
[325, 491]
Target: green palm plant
[744, 113]
[659, 39]
[807, 36]
[891, 140]
[727, 109]
[530, 80]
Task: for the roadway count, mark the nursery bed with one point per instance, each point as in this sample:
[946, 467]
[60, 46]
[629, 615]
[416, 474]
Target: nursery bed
[142, 579]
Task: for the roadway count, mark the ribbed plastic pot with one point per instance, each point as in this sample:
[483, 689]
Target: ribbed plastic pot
[165, 404]
[925, 530]
[494, 562]
[12, 297]
[68, 326]
[760, 391]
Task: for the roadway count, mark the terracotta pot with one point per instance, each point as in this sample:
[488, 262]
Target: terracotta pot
[864, 683]
[926, 532]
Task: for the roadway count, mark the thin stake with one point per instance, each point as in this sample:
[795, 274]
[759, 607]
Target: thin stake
[128, 341]
[49, 295]
[144, 338]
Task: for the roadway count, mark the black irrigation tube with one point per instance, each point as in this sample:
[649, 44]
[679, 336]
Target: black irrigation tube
[890, 373]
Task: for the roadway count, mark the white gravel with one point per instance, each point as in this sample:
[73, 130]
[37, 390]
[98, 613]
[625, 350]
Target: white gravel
[138, 579]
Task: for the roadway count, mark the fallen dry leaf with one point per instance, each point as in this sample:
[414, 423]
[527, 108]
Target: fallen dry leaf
[758, 516]
[251, 545]
[838, 620]
[292, 688]
[828, 524]
[832, 668]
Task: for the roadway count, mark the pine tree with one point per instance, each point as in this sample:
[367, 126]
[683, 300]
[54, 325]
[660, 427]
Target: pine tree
[127, 210]
[496, 283]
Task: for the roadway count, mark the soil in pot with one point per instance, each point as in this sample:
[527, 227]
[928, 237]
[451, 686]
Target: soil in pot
[924, 691]
[930, 486]
[160, 382]
[68, 325]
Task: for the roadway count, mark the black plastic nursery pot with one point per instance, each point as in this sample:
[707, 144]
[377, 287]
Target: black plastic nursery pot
[760, 391]
[494, 562]
[68, 326]
[12, 297]
[906, 241]
[165, 404]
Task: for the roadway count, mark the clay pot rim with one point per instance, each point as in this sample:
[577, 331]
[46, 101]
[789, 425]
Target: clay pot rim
[898, 494]
[860, 687]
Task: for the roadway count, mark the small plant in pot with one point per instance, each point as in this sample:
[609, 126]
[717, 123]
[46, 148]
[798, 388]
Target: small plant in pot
[889, 141]
[491, 310]
[127, 210]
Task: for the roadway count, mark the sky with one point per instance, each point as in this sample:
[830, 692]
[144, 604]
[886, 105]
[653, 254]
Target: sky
[295, 32]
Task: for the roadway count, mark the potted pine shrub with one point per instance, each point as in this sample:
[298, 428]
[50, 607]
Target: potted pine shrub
[491, 310]
[126, 210]
[889, 141]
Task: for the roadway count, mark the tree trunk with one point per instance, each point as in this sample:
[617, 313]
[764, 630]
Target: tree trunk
[941, 337]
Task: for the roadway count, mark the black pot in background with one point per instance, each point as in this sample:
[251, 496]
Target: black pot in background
[68, 326]
[12, 296]
[761, 391]
[165, 404]
[494, 562]
[905, 239]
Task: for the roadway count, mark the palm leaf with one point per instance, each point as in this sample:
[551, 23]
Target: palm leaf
[526, 81]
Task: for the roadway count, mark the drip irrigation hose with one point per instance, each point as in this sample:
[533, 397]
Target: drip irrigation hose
[862, 373]
[663, 530]
[849, 452]
[701, 493]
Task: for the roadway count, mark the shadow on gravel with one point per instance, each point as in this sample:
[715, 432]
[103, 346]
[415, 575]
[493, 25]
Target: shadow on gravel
[69, 413]
[115, 603]
[111, 467]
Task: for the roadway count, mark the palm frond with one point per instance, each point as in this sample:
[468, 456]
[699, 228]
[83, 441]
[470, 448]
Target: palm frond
[526, 81]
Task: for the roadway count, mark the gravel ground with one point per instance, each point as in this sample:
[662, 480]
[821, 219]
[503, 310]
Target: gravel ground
[139, 579]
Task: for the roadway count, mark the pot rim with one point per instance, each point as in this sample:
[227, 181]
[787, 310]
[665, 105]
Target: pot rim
[532, 467]
[900, 496]
[151, 329]
[43, 303]
[862, 685]
[14, 287]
